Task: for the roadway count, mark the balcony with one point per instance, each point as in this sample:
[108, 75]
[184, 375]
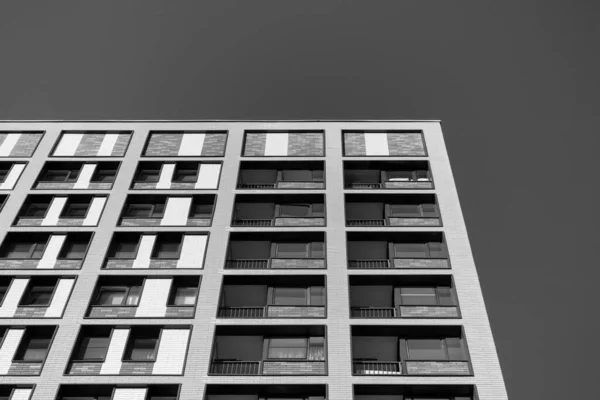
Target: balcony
[269, 350]
[265, 391]
[163, 250]
[368, 175]
[286, 296]
[24, 349]
[398, 250]
[279, 210]
[71, 210]
[144, 297]
[58, 175]
[44, 250]
[272, 175]
[281, 250]
[107, 392]
[181, 175]
[162, 210]
[414, 392]
[34, 297]
[409, 351]
[383, 210]
[398, 296]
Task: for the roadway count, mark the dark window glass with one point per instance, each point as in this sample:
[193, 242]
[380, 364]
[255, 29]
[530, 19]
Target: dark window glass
[23, 250]
[426, 349]
[104, 175]
[93, 348]
[198, 210]
[418, 296]
[410, 250]
[33, 348]
[3, 173]
[183, 296]
[317, 250]
[3, 290]
[318, 175]
[139, 210]
[38, 295]
[167, 246]
[125, 249]
[142, 344]
[436, 250]
[111, 296]
[294, 210]
[423, 176]
[60, 175]
[133, 296]
[74, 249]
[297, 175]
[186, 172]
[445, 297]
[289, 296]
[456, 350]
[148, 174]
[317, 296]
[292, 250]
[405, 210]
[35, 210]
[288, 348]
[76, 210]
[429, 210]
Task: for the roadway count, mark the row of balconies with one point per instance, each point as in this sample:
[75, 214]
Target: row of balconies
[297, 350]
[257, 250]
[298, 210]
[246, 392]
[196, 175]
[242, 297]
[257, 143]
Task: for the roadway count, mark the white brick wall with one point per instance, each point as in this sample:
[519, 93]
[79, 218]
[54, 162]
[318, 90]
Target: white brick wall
[12, 297]
[59, 300]
[171, 352]
[12, 338]
[153, 302]
[21, 394]
[129, 394]
[116, 348]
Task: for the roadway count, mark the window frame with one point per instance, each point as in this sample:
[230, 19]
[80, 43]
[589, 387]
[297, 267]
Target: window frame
[308, 347]
[308, 295]
[21, 351]
[405, 349]
[102, 171]
[135, 335]
[281, 175]
[175, 286]
[32, 249]
[177, 170]
[68, 179]
[23, 213]
[152, 213]
[78, 349]
[31, 287]
[427, 250]
[127, 293]
[64, 212]
[69, 242]
[308, 252]
[113, 244]
[7, 174]
[436, 295]
[157, 242]
[141, 169]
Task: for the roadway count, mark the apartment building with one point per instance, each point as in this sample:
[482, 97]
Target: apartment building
[237, 260]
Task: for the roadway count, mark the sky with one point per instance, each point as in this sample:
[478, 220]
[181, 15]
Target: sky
[515, 84]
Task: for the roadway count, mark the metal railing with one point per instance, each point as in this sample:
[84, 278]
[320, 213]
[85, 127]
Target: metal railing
[383, 263]
[252, 222]
[242, 312]
[256, 185]
[248, 264]
[364, 185]
[377, 368]
[232, 367]
[373, 312]
[280, 311]
[366, 222]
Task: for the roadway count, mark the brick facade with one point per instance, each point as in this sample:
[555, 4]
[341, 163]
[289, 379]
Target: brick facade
[282, 221]
[293, 368]
[438, 368]
[421, 263]
[394, 221]
[428, 312]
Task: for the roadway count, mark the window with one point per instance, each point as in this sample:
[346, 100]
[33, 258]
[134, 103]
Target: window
[150, 173]
[74, 248]
[186, 172]
[4, 285]
[420, 250]
[298, 296]
[23, 249]
[293, 250]
[39, 292]
[76, 208]
[301, 175]
[167, 246]
[408, 176]
[142, 344]
[183, 294]
[423, 296]
[35, 209]
[294, 210]
[4, 170]
[145, 210]
[35, 344]
[124, 247]
[56, 174]
[104, 175]
[435, 349]
[413, 210]
[201, 209]
[119, 295]
[93, 348]
[296, 348]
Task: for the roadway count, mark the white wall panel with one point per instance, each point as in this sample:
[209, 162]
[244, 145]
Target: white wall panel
[59, 300]
[192, 251]
[50, 255]
[21, 394]
[177, 210]
[108, 144]
[114, 354]
[166, 176]
[13, 177]
[68, 145]
[12, 297]
[94, 212]
[376, 144]
[85, 176]
[191, 144]
[276, 144]
[12, 338]
[7, 146]
[56, 206]
[142, 260]
[208, 176]
[171, 352]
[129, 394]
[153, 302]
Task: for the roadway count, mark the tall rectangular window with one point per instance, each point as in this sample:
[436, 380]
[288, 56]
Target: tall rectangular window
[142, 344]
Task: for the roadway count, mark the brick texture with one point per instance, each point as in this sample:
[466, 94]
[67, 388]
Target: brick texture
[299, 221]
[214, 145]
[32, 264]
[300, 185]
[354, 144]
[421, 263]
[295, 312]
[298, 263]
[25, 368]
[428, 312]
[121, 145]
[437, 368]
[26, 145]
[393, 221]
[406, 144]
[306, 144]
[255, 144]
[408, 185]
[163, 144]
[293, 368]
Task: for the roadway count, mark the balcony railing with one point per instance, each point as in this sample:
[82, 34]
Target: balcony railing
[363, 185]
[366, 222]
[407, 311]
[417, 220]
[382, 263]
[373, 312]
[242, 185]
[377, 368]
[280, 221]
[268, 367]
[273, 311]
[276, 263]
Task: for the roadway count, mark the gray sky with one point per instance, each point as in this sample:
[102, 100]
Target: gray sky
[515, 84]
